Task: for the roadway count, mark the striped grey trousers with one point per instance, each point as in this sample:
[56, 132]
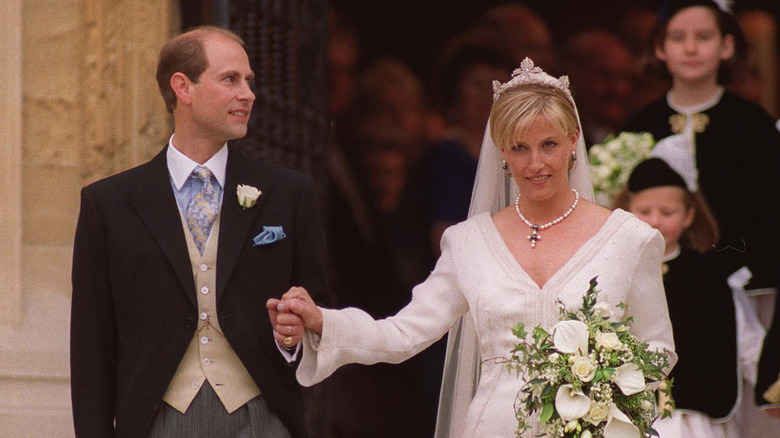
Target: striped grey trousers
[207, 418]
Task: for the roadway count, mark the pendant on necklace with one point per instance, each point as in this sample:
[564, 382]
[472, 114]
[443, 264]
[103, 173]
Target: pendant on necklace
[534, 236]
[535, 228]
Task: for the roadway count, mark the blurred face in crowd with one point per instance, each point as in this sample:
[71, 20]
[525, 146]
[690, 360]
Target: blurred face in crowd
[606, 82]
[401, 109]
[526, 35]
[342, 68]
[474, 94]
[386, 172]
[693, 46]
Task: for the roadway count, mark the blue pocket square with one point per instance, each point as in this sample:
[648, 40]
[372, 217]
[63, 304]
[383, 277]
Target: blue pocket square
[269, 235]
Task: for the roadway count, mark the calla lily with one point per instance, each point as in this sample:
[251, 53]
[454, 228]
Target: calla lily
[629, 378]
[571, 337]
[619, 425]
[570, 403]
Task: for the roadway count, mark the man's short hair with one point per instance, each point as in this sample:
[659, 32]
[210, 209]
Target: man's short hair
[185, 54]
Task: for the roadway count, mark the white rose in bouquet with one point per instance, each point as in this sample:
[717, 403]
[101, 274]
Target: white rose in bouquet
[598, 412]
[608, 341]
[583, 369]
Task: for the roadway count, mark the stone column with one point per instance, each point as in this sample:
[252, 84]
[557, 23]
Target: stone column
[10, 162]
[79, 102]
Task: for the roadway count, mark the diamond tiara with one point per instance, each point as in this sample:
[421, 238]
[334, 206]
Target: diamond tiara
[529, 74]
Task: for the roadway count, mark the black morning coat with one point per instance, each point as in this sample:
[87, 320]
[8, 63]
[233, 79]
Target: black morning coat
[134, 307]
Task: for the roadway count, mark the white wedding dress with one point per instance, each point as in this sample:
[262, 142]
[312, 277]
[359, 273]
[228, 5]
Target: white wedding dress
[477, 274]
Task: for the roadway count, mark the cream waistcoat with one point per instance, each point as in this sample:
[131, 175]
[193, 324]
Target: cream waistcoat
[209, 355]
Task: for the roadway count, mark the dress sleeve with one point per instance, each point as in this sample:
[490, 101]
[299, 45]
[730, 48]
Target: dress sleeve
[351, 336]
[647, 300]
[750, 332]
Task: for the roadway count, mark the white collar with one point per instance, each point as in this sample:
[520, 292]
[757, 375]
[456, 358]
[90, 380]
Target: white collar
[673, 255]
[695, 108]
[181, 166]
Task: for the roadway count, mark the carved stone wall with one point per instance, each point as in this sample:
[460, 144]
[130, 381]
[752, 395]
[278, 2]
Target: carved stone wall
[88, 107]
[125, 119]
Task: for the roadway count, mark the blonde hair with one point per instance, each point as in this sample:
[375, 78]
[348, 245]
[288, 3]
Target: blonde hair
[517, 108]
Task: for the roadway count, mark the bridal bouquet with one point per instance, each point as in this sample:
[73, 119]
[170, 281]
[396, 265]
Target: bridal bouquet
[590, 377]
[611, 162]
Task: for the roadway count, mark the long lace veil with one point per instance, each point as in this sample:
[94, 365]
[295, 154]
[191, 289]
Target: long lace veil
[493, 191]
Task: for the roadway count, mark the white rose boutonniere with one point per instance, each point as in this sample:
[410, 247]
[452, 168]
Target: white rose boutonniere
[247, 196]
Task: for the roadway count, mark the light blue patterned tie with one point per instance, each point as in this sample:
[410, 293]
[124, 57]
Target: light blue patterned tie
[202, 209]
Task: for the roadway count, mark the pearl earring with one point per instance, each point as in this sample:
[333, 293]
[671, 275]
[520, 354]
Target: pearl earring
[506, 168]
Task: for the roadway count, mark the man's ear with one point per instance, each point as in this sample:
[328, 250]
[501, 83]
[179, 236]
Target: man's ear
[182, 86]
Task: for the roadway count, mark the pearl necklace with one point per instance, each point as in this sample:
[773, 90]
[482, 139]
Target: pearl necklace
[534, 236]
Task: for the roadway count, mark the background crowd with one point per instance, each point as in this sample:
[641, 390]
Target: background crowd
[407, 129]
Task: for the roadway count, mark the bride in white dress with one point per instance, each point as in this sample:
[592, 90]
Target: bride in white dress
[504, 265]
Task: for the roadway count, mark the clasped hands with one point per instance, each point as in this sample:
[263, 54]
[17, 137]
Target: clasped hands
[291, 315]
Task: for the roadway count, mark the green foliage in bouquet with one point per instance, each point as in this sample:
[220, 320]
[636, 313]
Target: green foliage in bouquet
[611, 162]
[590, 377]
